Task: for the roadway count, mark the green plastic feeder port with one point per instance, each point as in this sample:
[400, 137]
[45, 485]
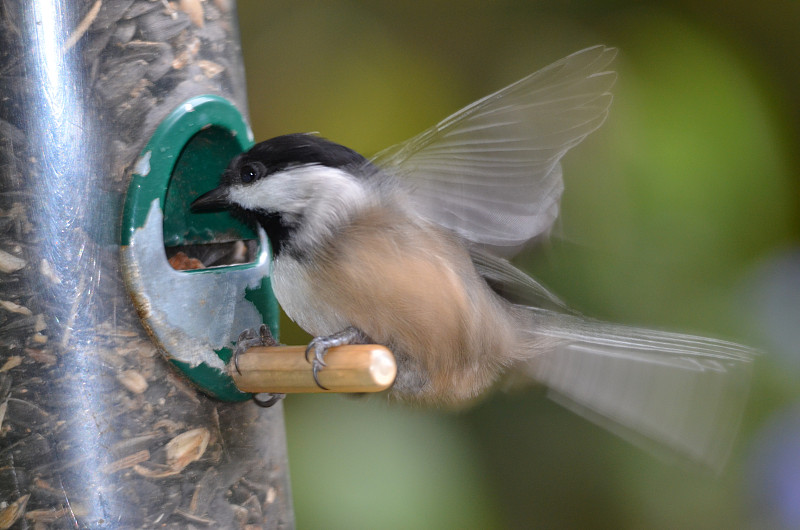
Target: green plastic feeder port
[194, 316]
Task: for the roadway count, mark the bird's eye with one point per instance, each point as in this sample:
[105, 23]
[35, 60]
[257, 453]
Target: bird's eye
[249, 172]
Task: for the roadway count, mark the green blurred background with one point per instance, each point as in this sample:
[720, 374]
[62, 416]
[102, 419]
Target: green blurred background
[681, 212]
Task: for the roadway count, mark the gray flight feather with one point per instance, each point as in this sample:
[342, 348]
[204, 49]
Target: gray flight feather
[491, 172]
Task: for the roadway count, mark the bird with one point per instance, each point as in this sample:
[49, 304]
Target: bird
[411, 249]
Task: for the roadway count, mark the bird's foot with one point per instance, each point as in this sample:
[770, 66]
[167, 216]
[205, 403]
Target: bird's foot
[321, 345]
[250, 338]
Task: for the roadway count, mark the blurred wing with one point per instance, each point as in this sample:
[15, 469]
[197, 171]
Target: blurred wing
[513, 284]
[683, 392]
[490, 171]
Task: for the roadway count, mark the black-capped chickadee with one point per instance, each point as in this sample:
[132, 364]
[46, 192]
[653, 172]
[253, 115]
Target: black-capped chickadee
[409, 250]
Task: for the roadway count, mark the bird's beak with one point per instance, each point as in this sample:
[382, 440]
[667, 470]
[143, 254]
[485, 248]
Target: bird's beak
[214, 200]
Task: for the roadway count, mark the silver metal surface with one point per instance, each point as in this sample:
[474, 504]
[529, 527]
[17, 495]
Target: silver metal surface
[191, 313]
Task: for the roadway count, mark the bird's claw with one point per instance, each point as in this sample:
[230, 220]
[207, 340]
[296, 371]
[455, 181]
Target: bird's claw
[249, 338]
[256, 337]
[321, 345]
[267, 399]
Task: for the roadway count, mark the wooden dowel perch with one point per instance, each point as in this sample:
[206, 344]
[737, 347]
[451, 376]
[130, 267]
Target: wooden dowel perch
[284, 369]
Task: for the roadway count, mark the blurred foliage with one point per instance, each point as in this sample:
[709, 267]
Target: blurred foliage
[688, 192]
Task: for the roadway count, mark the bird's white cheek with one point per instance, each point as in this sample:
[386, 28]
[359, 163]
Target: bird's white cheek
[269, 194]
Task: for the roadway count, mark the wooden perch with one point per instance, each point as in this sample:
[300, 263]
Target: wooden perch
[284, 369]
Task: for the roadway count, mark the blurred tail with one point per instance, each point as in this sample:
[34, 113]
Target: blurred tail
[683, 392]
